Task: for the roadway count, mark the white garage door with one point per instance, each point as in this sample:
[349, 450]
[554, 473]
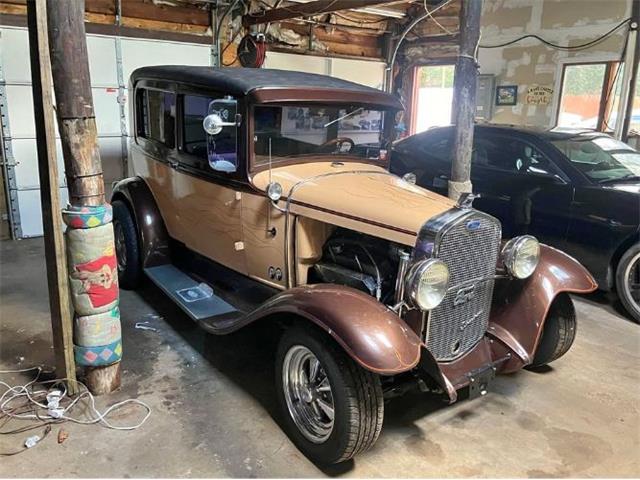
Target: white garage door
[16, 102]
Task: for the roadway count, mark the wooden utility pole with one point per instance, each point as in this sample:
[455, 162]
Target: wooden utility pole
[77, 127]
[633, 49]
[55, 255]
[464, 97]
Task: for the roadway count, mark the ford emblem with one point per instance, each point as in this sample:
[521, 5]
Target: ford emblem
[473, 225]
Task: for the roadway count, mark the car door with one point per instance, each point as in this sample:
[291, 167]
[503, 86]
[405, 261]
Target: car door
[520, 185]
[207, 191]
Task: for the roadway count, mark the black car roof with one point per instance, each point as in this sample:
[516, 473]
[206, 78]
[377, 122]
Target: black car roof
[540, 132]
[241, 81]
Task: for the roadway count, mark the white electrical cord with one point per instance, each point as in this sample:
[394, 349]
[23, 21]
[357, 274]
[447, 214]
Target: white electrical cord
[53, 409]
[430, 15]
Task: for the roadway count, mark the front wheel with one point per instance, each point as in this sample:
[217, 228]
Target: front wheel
[332, 408]
[559, 331]
[628, 281]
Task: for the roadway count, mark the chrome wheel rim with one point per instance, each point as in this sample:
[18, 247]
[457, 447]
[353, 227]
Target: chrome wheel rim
[632, 274]
[308, 394]
[121, 248]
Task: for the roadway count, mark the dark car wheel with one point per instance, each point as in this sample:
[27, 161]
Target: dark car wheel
[126, 242]
[628, 281]
[331, 407]
[559, 332]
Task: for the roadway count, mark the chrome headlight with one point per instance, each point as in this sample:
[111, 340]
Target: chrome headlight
[427, 283]
[521, 255]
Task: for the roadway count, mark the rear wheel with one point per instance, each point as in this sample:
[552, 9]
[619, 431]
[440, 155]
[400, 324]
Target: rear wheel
[332, 408]
[126, 242]
[559, 331]
[628, 281]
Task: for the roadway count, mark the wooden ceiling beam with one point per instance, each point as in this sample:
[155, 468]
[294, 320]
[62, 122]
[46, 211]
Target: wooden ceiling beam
[308, 9]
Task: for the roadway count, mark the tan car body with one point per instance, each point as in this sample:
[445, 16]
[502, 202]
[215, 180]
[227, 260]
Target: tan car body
[236, 225]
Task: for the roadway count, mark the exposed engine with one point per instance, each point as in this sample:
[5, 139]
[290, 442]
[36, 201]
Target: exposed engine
[359, 261]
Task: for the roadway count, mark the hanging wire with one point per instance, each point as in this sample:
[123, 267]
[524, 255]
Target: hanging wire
[562, 47]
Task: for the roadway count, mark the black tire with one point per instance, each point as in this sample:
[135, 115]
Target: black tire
[357, 399]
[127, 247]
[559, 332]
[628, 281]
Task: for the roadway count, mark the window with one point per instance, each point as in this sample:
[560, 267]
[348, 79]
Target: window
[310, 130]
[590, 95]
[156, 116]
[510, 155]
[602, 159]
[220, 150]
[434, 96]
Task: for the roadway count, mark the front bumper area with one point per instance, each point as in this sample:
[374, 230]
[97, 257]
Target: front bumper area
[474, 369]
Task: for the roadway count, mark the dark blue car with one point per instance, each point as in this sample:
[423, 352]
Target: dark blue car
[576, 191]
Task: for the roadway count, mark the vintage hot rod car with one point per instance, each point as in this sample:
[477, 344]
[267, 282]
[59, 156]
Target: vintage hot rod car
[264, 195]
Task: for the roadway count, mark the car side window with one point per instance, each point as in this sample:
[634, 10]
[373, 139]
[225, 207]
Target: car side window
[223, 147]
[156, 120]
[511, 155]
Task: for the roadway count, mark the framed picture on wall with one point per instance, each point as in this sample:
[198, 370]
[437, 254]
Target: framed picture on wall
[506, 95]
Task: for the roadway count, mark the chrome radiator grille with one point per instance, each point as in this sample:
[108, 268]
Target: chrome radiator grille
[469, 245]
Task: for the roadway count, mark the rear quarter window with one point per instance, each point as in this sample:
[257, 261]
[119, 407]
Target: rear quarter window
[156, 116]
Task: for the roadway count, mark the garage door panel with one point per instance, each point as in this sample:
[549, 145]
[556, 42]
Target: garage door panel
[111, 157]
[107, 110]
[141, 53]
[20, 103]
[102, 61]
[15, 55]
[25, 154]
[26, 158]
[31, 211]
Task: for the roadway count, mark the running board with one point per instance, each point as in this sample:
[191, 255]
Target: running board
[198, 300]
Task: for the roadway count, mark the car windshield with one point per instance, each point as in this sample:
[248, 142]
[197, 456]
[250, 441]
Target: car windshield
[602, 159]
[283, 132]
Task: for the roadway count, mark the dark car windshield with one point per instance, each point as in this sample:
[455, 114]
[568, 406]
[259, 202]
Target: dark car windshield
[307, 130]
[602, 159]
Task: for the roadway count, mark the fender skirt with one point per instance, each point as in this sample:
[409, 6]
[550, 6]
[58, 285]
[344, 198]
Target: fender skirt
[154, 239]
[519, 315]
[370, 333]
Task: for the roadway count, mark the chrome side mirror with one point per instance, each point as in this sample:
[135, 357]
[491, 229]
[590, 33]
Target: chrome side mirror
[213, 124]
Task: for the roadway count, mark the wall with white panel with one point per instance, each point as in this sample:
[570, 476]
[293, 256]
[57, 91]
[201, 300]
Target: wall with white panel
[103, 67]
[365, 72]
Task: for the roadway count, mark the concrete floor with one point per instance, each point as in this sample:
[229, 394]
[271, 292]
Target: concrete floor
[214, 412]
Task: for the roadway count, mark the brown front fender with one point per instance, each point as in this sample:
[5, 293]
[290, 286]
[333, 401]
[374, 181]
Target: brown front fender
[369, 332]
[518, 319]
[154, 239]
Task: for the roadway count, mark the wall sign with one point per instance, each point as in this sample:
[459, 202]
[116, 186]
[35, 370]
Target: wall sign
[506, 95]
[539, 95]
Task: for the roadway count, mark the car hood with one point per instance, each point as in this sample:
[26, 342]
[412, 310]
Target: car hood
[357, 196]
